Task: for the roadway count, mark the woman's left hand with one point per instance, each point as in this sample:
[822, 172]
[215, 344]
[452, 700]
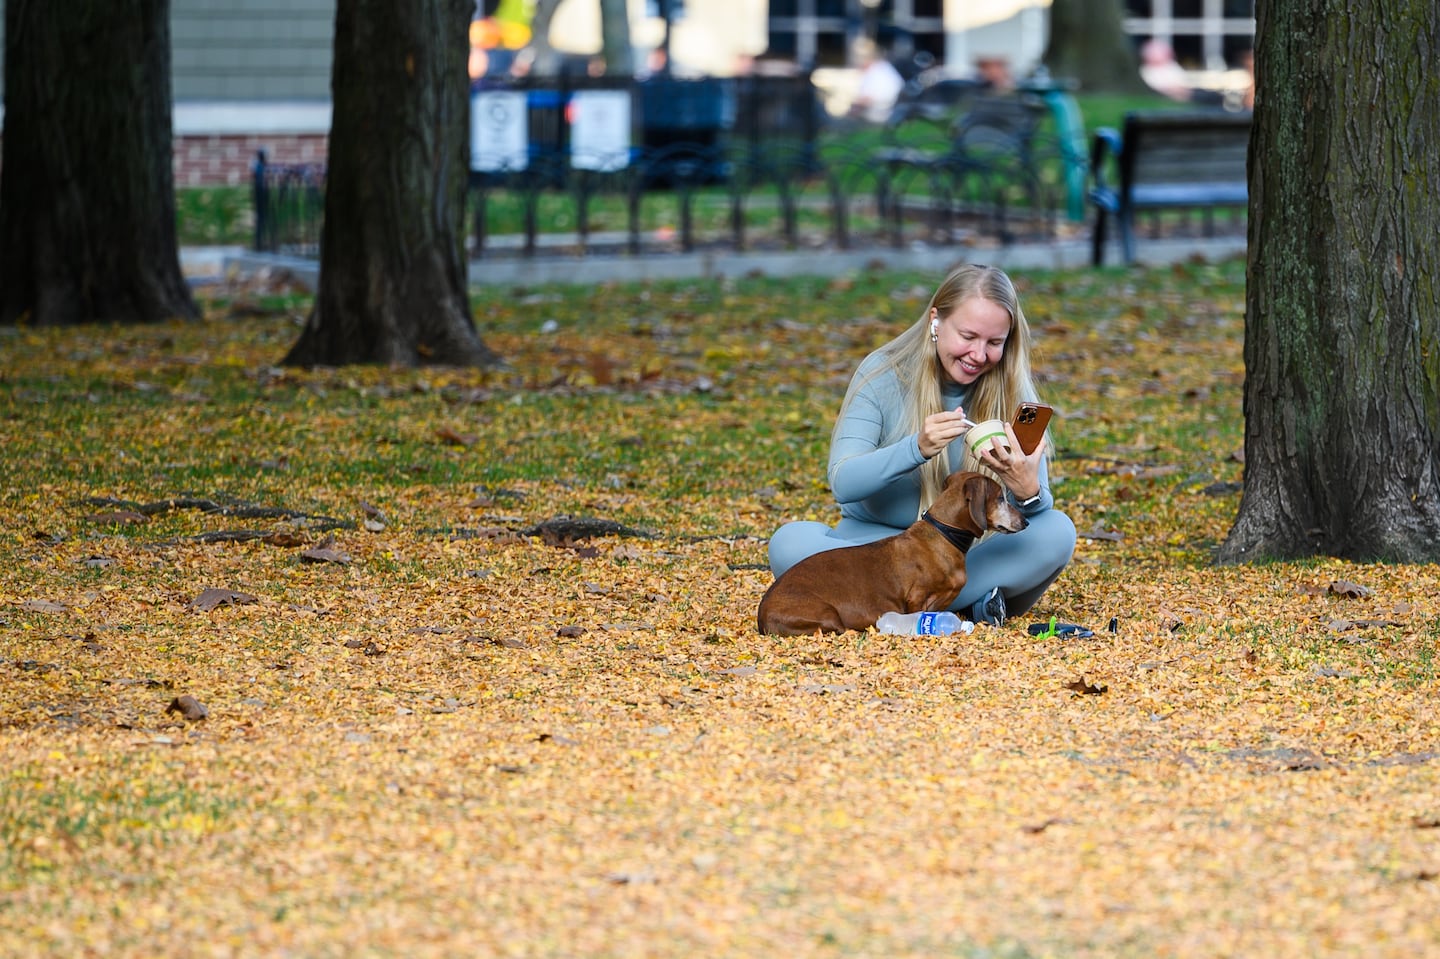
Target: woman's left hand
[1019, 473]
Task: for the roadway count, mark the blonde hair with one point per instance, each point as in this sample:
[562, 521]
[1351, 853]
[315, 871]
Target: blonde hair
[916, 365]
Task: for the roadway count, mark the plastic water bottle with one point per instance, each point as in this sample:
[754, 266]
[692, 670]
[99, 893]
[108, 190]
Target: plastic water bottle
[923, 624]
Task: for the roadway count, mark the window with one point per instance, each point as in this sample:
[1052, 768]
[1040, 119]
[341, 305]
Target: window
[1207, 35]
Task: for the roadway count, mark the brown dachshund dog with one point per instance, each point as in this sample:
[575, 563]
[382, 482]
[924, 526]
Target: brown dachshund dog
[922, 568]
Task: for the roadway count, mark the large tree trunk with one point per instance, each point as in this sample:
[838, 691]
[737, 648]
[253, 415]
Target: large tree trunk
[393, 286]
[1342, 341]
[87, 186]
[1088, 44]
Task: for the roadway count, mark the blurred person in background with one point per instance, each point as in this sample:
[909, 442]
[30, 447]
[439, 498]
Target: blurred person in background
[1162, 73]
[994, 73]
[880, 83]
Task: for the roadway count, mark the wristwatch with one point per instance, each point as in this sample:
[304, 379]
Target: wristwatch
[1027, 503]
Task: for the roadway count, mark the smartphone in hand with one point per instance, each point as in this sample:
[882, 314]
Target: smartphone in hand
[1029, 424]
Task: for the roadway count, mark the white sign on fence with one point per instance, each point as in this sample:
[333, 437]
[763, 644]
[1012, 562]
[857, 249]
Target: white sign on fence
[499, 131]
[600, 130]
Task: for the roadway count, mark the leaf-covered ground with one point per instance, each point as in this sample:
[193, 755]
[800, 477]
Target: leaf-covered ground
[332, 663]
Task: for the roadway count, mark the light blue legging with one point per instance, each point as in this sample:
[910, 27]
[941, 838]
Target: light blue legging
[1022, 564]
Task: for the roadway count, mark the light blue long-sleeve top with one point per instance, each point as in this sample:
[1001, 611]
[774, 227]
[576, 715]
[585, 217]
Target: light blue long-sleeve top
[875, 467]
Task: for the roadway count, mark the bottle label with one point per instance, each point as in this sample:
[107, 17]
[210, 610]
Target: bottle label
[926, 625]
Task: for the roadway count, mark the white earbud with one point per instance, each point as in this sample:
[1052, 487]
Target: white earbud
[934, 328]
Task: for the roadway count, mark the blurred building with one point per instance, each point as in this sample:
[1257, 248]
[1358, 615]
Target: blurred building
[255, 74]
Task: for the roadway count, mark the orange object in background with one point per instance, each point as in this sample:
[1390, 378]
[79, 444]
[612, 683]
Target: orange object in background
[488, 33]
[485, 33]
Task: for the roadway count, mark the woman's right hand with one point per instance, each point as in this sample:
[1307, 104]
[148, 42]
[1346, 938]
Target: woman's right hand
[939, 429]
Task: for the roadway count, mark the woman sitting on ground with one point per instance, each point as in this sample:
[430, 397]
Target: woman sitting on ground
[901, 432]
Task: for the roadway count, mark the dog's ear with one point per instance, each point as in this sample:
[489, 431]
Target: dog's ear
[977, 495]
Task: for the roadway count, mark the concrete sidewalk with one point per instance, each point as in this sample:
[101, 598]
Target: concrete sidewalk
[210, 264]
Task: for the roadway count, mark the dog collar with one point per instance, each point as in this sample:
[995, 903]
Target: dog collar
[961, 539]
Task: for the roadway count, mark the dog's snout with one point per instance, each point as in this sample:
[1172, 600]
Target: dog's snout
[1007, 518]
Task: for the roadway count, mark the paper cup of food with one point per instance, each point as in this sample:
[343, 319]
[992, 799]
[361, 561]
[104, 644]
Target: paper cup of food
[980, 435]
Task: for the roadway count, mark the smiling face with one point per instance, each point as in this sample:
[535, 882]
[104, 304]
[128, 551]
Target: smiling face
[971, 339]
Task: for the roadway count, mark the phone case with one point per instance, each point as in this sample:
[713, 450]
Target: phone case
[1029, 424]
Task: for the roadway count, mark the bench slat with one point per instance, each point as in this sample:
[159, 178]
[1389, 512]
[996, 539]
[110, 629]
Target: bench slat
[1189, 194]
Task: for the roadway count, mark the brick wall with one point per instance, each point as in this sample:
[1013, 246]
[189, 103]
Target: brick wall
[226, 159]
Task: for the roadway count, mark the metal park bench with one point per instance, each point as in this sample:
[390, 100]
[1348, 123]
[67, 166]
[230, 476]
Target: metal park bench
[965, 163]
[1167, 160]
[993, 159]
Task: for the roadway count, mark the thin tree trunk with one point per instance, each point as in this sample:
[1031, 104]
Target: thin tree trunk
[393, 286]
[87, 184]
[547, 58]
[1342, 345]
[615, 38]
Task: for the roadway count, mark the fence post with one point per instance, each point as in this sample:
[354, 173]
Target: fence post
[477, 187]
[812, 122]
[260, 200]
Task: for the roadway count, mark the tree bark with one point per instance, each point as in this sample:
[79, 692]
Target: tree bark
[547, 58]
[615, 38]
[87, 184]
[1088, 44]
[1342, 342]
[393, 285]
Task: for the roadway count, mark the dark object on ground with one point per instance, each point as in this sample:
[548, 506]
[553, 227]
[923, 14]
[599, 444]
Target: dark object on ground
[189, 708]
[1061, 630]
[570, 528]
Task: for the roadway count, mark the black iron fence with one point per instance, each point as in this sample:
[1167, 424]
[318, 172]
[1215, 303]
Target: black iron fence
[747, 163]
[289, 204]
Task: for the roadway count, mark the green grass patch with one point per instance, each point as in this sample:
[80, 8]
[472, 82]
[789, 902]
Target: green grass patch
[214, 216]
[224, 215]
